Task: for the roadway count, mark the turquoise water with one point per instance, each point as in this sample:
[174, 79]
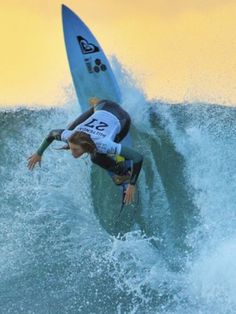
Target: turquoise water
[173, 251]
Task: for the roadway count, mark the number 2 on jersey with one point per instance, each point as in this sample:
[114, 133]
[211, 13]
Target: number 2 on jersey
[98, 125]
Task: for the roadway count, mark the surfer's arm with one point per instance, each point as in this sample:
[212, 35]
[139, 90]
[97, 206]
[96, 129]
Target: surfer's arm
[53, 135]
[84, 116]
[131, 154]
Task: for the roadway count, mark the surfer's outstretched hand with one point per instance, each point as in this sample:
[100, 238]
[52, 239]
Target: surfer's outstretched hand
[33, 160]
[129, 194]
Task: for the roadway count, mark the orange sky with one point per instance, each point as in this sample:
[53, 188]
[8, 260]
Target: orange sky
[181, 50]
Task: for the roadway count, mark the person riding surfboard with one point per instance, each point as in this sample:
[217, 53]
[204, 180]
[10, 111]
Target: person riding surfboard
[98, 132]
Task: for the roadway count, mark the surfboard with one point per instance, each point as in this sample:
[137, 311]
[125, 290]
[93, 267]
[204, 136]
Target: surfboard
[91, 72]
[90, 69]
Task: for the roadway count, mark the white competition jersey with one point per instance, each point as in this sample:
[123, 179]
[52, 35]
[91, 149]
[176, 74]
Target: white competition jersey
[102, 126]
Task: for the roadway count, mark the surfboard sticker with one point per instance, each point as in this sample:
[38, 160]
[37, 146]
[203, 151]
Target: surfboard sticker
[86, 47]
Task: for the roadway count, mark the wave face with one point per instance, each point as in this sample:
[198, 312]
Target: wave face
[63, 248]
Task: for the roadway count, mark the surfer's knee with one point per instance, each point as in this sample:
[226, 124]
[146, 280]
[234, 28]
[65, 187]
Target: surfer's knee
[93, 101]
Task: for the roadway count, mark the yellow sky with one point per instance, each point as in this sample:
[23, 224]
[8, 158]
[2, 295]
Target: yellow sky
[181, 50]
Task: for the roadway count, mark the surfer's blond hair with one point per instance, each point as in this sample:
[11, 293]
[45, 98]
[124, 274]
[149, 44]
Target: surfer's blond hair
[84, 140]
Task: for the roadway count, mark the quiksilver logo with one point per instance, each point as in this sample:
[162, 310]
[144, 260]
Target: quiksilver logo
[86, 47]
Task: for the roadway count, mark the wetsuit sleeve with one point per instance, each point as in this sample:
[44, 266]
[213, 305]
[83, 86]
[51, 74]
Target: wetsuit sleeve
[84, 116]
[53, 135]
[129, 153]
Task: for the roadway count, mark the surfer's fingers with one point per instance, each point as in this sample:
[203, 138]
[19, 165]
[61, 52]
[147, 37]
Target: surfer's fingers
[126, 201]
[125, 198]
[30, 166]
[128, 197]
[31, 163]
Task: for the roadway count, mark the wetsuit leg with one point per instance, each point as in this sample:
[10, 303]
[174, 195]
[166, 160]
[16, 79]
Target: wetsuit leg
[108, 163]
[80, 119]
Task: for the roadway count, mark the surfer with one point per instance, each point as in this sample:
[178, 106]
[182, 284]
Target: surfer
[98, 132]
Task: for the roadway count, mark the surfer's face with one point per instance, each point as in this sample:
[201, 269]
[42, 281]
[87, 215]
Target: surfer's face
[76, 150]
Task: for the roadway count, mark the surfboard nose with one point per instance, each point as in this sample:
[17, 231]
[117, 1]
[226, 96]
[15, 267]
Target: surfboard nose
[64, 7]
[69, 17]
[66, 12]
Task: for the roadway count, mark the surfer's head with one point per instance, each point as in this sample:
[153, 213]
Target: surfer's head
[81, 143]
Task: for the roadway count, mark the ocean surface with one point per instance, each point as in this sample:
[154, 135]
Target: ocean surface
[64, 248]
